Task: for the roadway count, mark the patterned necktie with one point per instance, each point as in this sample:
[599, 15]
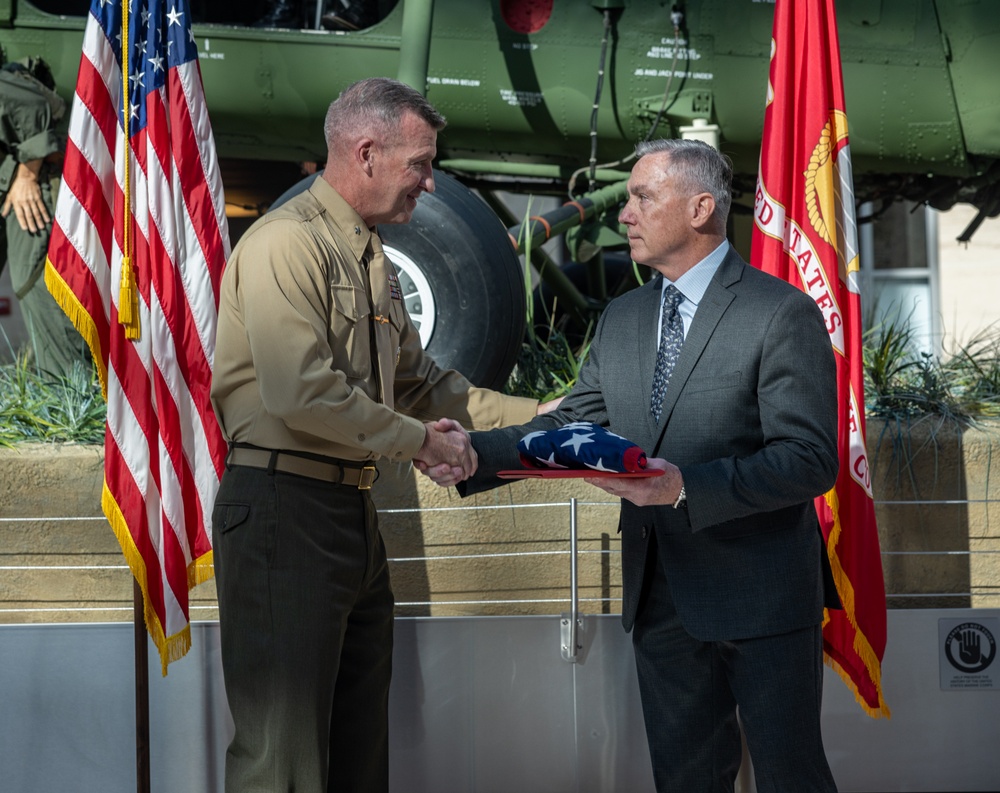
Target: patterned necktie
[671, 341]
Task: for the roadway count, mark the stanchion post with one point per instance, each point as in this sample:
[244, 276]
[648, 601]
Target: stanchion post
[570, 624]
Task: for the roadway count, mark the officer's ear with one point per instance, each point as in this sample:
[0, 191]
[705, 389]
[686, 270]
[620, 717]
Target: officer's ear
[702, 209]
[364, 154]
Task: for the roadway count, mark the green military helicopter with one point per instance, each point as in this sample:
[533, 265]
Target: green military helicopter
[549, 98]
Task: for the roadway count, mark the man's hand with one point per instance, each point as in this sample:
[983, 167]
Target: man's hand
[646, 492]
[548, 407]
[446, 456]
[25, 198]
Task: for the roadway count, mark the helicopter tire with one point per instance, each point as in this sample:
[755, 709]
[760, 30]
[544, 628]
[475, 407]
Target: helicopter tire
[456, 257]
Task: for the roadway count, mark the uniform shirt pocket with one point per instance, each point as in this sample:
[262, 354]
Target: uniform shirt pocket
[349, 331]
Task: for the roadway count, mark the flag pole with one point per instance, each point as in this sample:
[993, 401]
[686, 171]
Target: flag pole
[141, 691]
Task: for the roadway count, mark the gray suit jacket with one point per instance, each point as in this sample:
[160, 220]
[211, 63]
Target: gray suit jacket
[749, 417]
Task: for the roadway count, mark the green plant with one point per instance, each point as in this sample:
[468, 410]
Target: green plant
[903, 381]
[975, 371]
[548, 364]
[908, 388]
[36, 406]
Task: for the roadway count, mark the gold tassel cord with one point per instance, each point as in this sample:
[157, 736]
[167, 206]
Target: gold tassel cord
[128, 300]
[128, 291]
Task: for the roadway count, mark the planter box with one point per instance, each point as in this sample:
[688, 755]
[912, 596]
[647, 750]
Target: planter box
[457, 557]
[506, 551]
[933, 486]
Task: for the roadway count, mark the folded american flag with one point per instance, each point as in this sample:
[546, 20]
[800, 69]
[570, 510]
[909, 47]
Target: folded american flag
[581, 445]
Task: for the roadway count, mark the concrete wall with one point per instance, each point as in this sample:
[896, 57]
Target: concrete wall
[505, 552]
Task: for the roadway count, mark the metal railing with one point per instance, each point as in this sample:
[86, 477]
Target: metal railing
[14, 608]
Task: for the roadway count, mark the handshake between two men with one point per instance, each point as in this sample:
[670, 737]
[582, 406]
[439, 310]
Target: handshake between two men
[448, 457]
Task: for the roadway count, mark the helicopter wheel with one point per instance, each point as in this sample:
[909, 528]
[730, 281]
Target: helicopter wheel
[462, 283]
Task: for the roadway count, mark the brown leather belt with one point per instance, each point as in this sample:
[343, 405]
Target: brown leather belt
[361, 476]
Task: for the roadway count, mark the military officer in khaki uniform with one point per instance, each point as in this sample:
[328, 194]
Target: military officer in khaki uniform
[318, 373]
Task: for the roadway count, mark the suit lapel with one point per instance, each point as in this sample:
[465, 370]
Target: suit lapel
[710, 311]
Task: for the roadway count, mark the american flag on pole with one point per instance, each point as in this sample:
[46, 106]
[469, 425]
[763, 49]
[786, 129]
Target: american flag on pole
[804, 232]
[137, 251]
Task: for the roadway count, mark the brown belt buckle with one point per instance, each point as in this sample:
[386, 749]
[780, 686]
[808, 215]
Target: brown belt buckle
[367, 478]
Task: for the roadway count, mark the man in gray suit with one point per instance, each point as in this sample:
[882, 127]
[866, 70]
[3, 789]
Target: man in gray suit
[733, 394]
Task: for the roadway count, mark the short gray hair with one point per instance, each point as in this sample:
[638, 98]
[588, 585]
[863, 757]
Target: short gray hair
[704, 168]
[374, 107]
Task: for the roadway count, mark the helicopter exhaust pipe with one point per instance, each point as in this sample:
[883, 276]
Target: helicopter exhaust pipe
[539, 229]
[530, 235]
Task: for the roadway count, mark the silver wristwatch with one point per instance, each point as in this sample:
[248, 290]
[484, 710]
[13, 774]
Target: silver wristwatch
[681, 498]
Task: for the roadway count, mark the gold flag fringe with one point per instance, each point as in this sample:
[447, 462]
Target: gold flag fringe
[861, 644]
[81, 319]
[170, 648]
[201, 570]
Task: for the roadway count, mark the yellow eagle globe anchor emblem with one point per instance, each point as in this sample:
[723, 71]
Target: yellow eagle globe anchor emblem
[823, 193]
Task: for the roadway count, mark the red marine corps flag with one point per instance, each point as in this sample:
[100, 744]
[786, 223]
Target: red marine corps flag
[137, 251]
[805, 233]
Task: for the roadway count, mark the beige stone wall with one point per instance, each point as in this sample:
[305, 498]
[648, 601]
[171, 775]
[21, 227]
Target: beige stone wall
[506, 551]
[50, 519]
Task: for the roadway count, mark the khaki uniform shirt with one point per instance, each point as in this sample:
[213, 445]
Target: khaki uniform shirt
[312, 357]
